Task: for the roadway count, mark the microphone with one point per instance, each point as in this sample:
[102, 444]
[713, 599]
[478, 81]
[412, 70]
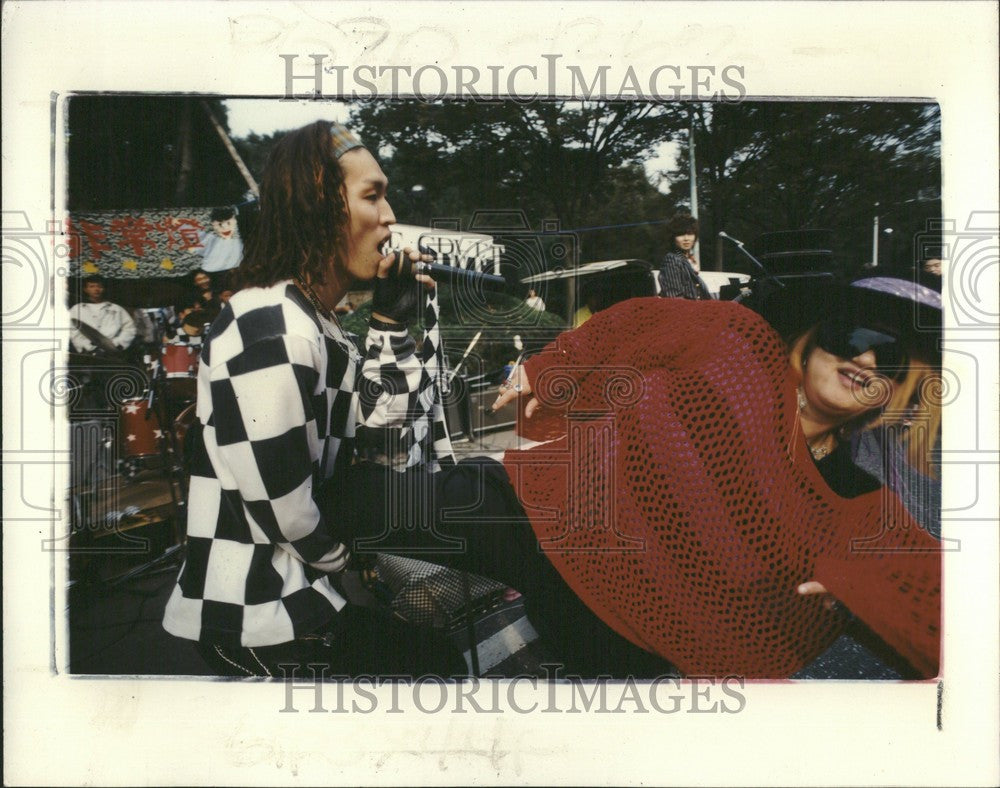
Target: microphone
[723, 234]
[445, 274]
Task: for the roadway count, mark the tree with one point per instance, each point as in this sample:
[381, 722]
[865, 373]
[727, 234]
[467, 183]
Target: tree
[551, 159]
[135, 152]
[794, 165]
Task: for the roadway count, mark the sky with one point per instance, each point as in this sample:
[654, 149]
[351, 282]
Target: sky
[265, 116]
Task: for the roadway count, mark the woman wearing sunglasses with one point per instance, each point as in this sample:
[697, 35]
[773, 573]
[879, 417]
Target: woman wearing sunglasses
[694, 508]
[739, 519]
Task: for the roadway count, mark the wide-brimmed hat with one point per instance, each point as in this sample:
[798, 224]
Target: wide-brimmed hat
[906, 308]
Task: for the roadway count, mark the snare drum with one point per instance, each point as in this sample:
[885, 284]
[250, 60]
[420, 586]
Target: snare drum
[180, 361]
[139, 428]
[180, 368]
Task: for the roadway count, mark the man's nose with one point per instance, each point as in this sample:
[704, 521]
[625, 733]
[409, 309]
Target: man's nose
[388, 217]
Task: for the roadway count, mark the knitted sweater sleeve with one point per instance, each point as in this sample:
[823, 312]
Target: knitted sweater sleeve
[896, 592]
[583, 368]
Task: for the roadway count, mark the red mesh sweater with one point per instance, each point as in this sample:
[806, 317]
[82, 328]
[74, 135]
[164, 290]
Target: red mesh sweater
[680, 501]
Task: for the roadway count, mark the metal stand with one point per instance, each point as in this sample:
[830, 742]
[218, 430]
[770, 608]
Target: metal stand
[172, 467]
[766, 276]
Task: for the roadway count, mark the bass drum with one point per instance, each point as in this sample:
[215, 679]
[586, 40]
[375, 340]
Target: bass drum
[139, 430]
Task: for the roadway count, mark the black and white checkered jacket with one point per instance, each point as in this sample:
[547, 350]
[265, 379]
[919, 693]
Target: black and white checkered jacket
[281, 395]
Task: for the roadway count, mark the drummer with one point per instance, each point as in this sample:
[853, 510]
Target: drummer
[191, 318]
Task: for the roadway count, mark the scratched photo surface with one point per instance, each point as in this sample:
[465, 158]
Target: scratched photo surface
[550, 188]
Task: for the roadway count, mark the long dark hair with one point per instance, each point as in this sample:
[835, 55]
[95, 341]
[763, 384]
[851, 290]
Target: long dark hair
[302, 211]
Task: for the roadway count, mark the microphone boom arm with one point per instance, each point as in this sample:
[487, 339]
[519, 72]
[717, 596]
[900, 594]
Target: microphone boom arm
[760, 266]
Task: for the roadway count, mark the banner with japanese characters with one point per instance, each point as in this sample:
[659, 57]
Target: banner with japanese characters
[153, 243]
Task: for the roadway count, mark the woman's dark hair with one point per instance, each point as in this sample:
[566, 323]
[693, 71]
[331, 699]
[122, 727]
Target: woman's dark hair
[223, 213]
[194, 275]
[302, 211]
[682, 224]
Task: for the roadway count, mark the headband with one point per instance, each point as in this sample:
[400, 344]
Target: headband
[343, 140]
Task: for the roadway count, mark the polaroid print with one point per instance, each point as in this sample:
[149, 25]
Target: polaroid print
[692, 210]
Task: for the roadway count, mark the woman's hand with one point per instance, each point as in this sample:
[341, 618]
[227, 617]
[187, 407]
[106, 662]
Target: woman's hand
[515, 386]
[395, 297]
[815, 587]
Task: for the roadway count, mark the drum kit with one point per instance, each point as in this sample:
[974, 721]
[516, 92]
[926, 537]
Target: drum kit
[163, 388]
[129, 419]
[148, 424]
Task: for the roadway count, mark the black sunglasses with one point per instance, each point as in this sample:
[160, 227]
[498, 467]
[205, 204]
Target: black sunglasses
[849, 340]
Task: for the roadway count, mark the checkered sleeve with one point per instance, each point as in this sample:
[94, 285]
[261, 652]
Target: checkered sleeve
[392, 375]
[401, 420]
[266, 403]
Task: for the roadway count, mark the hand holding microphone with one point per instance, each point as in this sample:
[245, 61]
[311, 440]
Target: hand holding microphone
[396, 292]
[397, 271]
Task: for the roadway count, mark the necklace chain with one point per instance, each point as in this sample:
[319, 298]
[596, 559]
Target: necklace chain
[317, 304]
[818, 452]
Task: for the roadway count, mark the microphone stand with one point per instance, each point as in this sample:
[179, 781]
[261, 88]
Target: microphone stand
[768, 276]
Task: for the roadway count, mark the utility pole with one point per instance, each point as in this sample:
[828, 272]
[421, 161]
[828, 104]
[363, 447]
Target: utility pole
[875, 239]
[237, 159]
[693, 175]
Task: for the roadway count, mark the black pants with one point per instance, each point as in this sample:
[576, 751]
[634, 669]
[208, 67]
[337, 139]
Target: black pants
[468, 517]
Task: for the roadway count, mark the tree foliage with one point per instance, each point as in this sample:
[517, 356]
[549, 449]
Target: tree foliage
[794, 165]
[762, 166]
[553, 160]
[136, 152]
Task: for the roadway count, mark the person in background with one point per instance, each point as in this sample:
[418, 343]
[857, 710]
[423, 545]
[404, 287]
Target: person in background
[678, 277]
[591, 305]
[204, 289]
[535, 301]
[114, 327]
